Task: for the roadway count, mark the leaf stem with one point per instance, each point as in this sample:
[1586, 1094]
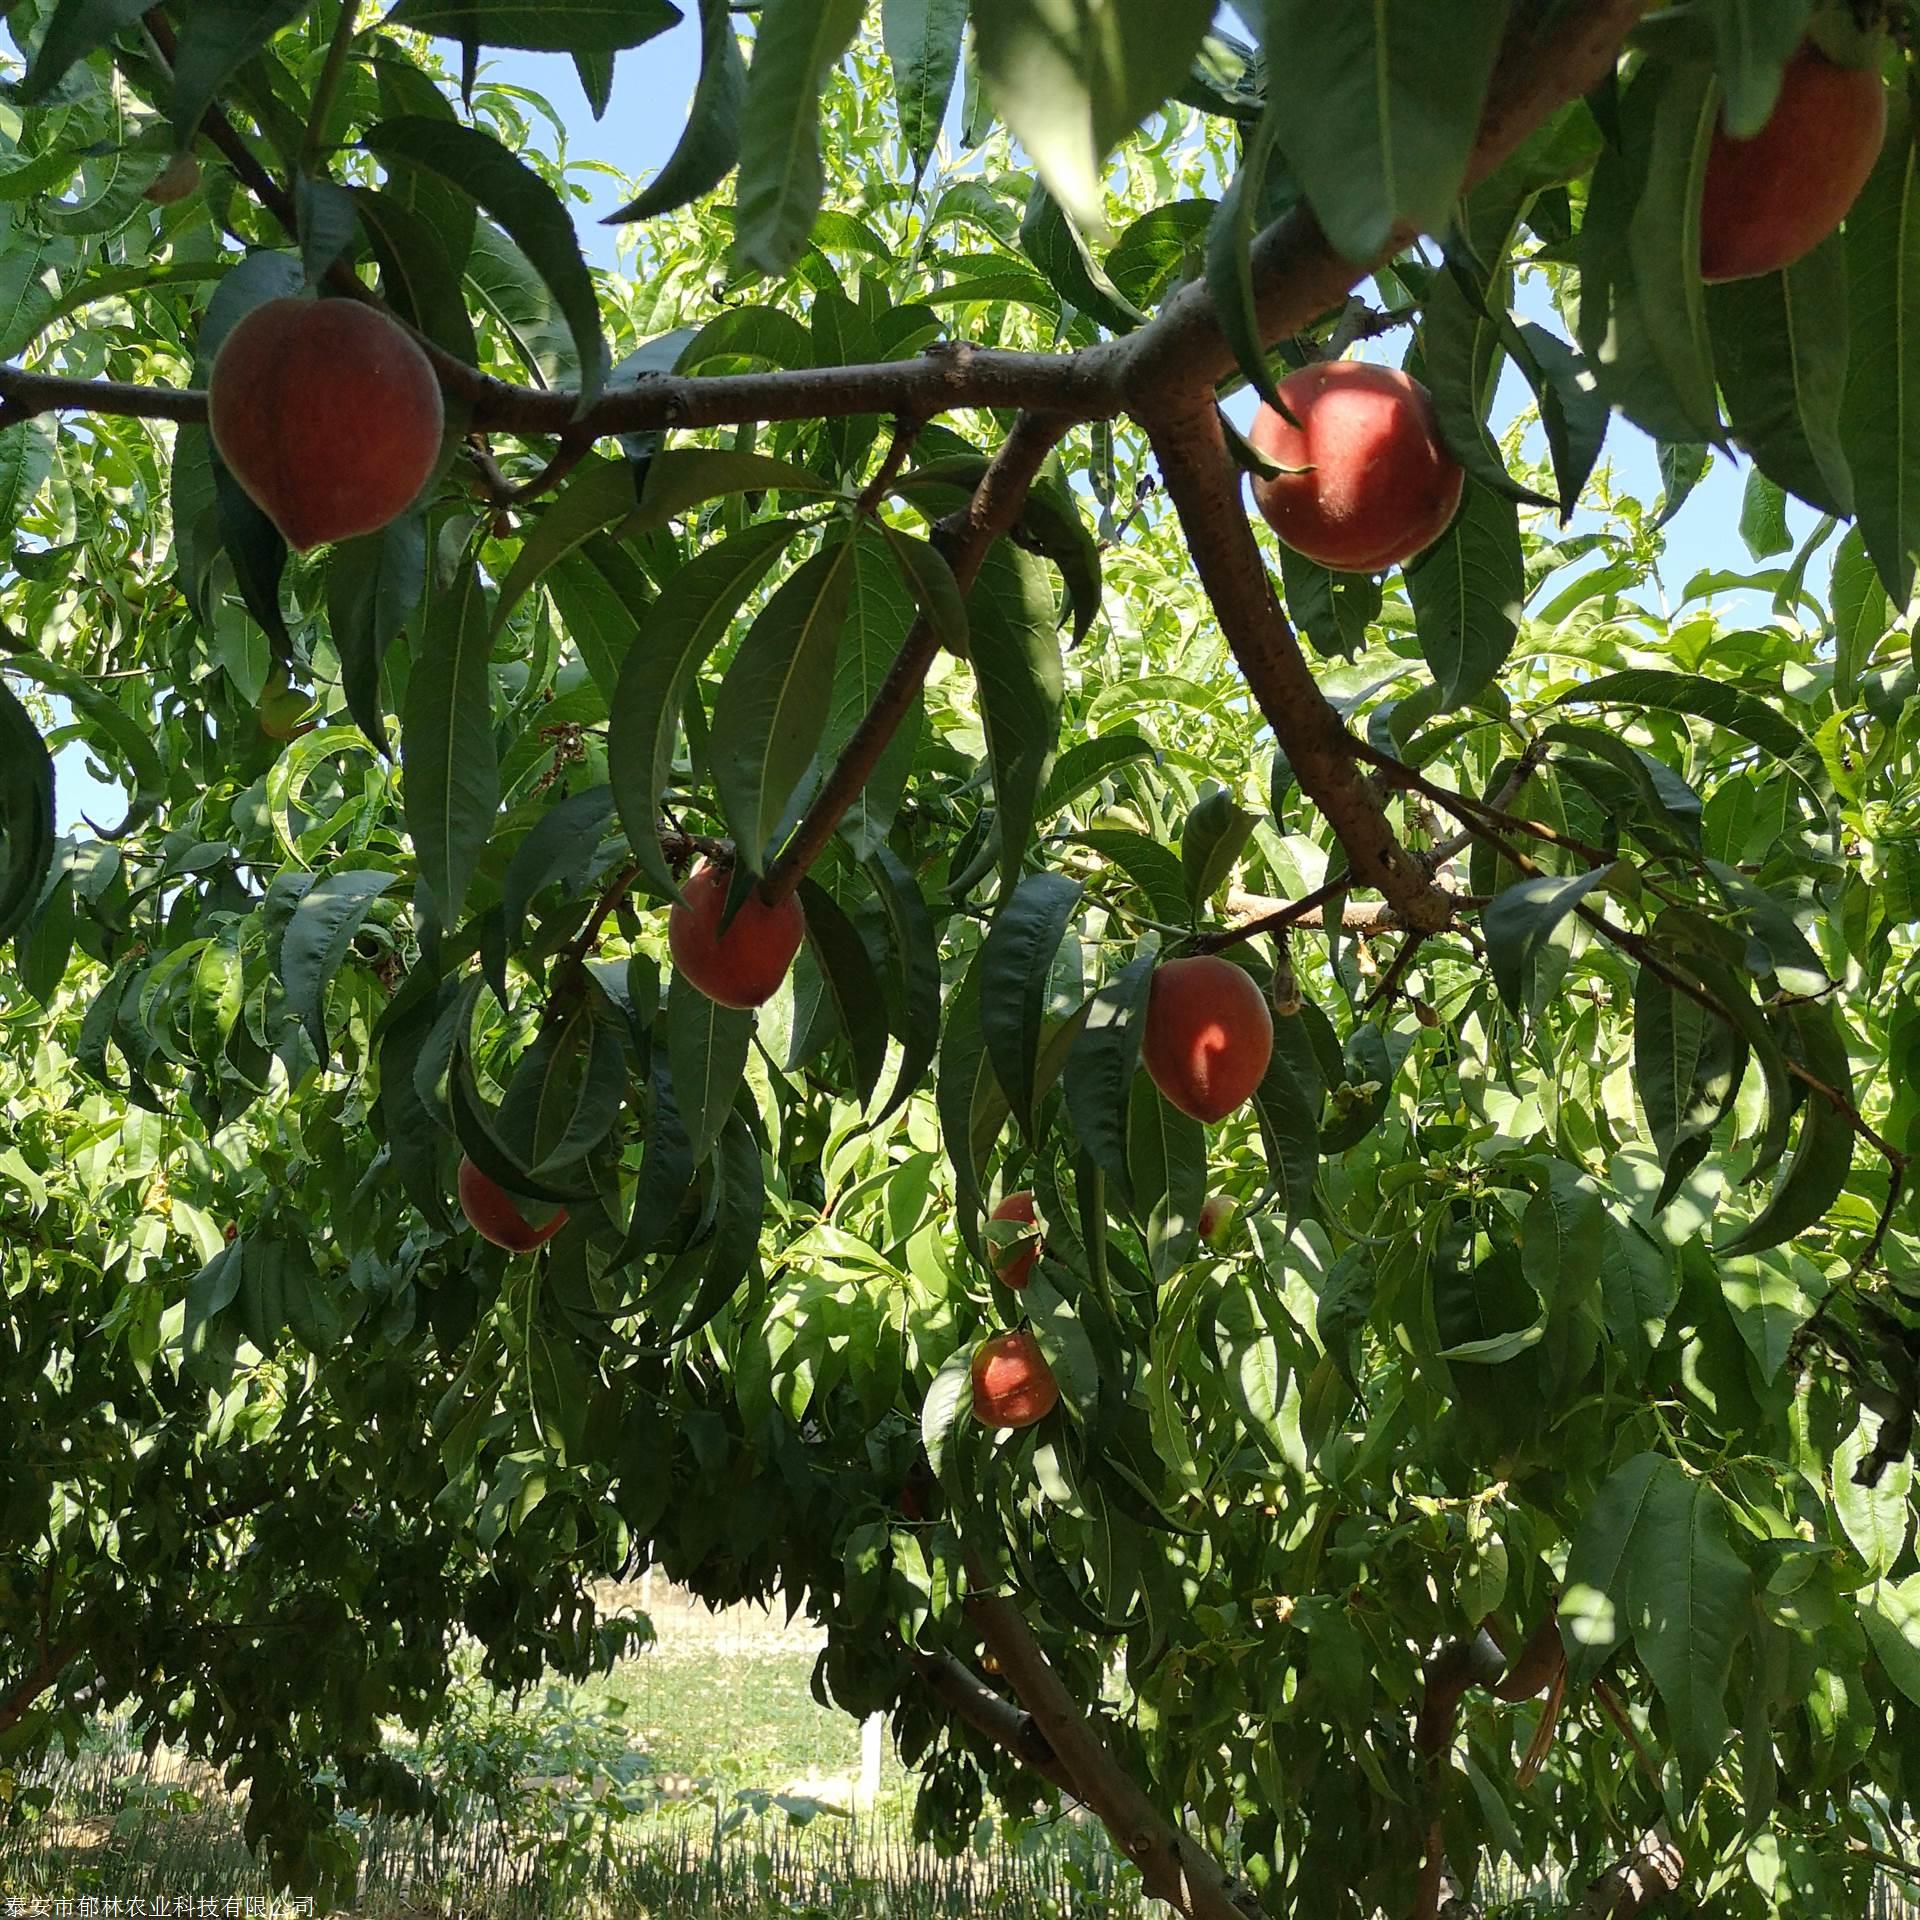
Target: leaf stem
[327, 90]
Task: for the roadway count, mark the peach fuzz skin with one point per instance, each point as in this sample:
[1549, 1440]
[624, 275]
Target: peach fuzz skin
[1209, 1035]
[1375, 484]
[328, 416]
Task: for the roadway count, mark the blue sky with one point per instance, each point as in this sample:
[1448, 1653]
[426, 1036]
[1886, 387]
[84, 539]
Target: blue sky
[651, 92]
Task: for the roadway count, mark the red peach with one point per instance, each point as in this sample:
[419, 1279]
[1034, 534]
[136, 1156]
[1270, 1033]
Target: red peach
[1374, 485]
[743, 966]
[328, 415]
[1012, 1384]
[1770, 200]
[493, 1214]
[1013, 1260]
[1208, 1035]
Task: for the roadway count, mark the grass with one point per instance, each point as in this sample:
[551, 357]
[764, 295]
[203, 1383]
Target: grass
[698, 1781]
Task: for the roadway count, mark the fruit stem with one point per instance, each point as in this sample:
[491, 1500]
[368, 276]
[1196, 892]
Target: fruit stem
[327, 91]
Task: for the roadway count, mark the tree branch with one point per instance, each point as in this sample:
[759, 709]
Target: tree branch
[1550, 56]
[1634, 1885]
[964, 539]
[19, 1698]
[1174, 1869]
[1204, 486]
[972, 1700]
[1177, 357]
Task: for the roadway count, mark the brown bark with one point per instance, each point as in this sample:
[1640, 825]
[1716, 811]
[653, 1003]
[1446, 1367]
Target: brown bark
[1175, 1868]
[1639, 1884]
[965, 538]
[1204, 485]
[19, 1698]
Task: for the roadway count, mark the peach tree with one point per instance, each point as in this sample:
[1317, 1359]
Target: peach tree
[745, 921]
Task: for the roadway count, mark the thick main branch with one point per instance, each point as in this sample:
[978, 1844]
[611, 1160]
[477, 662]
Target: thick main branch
[1204, 485]
[1173, 1867]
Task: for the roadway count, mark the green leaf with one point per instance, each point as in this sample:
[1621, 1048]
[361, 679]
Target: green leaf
[601, 493]
[374, 586]
[1768, 1303]
[929, 578]
[1687, 1064]
[736, 1231]
[1016, 960]
[1763, 518]
[707, 1052]
[1154, 869]
[1381, 109]
[1073, 78]
[1063, 1343]
[1862, 613]
[970, 1103]
[325, 919]
[1520, 921]
[447, 755]
[26, 814]
[771, 711]
[563, 842]
[1215, 835]
[1290, 1127]
[1230, 259]
[1085, 764]
[1822, 1157]
[1875, 1519]
[1753, 40]
[847, 968]
[797, 47]
[1016, 662]
[1573, 410]
[76, 29]
[880, 613]
[1594, 1609]
[541, 26]
[215, 38]
[684, 477]
[1102, 1065]
[596, 80]
[1643, 310]
[1167, 1170]
[690, 618]
[1639, 1284]
[1780, 346]
[533, 215]
[1726, 706]
[1880, 417]
[916, 951]
[1688, 1593]
[1891, 1616]
[1052, 240]
[948, 1401]
[1467, 591]
[923, 47]
[710, 144]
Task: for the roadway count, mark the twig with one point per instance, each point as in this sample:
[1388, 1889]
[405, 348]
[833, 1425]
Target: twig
[566, 456]
[327, 88]
[1618, 1714]
[1532, 757]
[995, 506]
[1291, 913]
[906, 430]
[1204, 486]
[1382, 995]
[18, 1700]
